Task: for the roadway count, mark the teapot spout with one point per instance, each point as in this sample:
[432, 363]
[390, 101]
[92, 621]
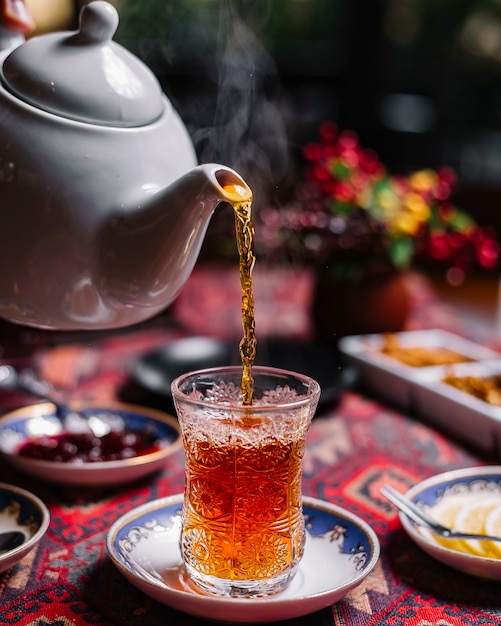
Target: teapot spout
[150, 247]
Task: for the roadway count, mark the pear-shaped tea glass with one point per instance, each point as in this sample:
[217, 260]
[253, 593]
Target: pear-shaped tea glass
[243, 531]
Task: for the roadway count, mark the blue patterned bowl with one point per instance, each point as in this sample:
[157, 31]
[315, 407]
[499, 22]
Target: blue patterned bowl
[21, 511]
[481, 481]
[19, 426]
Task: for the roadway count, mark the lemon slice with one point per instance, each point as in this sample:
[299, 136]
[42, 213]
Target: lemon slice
[445, 512]
[493, 521]
[472, 517]
[493, 527]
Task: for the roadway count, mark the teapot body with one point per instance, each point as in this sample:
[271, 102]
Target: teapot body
[61, 184]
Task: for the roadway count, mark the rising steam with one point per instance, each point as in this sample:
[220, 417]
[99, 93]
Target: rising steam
[248, 131]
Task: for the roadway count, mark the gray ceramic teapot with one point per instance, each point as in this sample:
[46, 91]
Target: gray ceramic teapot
[103, 208]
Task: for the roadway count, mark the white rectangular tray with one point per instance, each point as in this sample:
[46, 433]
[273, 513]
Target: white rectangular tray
[420, 390]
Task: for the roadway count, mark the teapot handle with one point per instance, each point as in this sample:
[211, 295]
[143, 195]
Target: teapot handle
[10, 40]
[15, 23]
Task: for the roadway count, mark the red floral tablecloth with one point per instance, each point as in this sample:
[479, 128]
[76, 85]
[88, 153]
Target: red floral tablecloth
[354, 447]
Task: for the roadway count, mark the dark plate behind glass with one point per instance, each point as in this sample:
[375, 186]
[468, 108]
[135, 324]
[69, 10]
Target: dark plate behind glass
[155, 370]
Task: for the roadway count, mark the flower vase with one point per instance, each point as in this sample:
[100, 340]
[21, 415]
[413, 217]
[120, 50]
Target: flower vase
[377, 302]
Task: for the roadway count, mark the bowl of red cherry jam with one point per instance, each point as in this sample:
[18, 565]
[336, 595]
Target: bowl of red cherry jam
[91, 444]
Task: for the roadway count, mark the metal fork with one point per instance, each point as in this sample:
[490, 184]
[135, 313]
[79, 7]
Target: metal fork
[421, 518]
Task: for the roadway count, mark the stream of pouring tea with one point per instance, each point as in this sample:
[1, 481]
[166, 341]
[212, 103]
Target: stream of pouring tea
[245, 244]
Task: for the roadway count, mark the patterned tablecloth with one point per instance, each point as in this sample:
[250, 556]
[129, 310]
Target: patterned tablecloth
[354, 447]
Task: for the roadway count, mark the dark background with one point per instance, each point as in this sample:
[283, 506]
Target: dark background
[418, 80]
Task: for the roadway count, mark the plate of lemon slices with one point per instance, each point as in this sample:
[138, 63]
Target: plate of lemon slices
[468, 500]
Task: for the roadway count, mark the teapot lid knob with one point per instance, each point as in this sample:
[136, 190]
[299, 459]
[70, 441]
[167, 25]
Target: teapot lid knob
[98, 21]
[118, 88]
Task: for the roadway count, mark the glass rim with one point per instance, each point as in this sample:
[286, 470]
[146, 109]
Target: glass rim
[313, 387]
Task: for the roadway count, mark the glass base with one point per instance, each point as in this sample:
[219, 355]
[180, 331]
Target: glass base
[241, 588]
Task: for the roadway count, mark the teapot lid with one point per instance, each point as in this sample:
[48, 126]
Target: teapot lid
[84, 75]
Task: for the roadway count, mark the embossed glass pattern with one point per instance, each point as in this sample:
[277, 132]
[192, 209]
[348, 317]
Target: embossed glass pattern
[243, 529]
